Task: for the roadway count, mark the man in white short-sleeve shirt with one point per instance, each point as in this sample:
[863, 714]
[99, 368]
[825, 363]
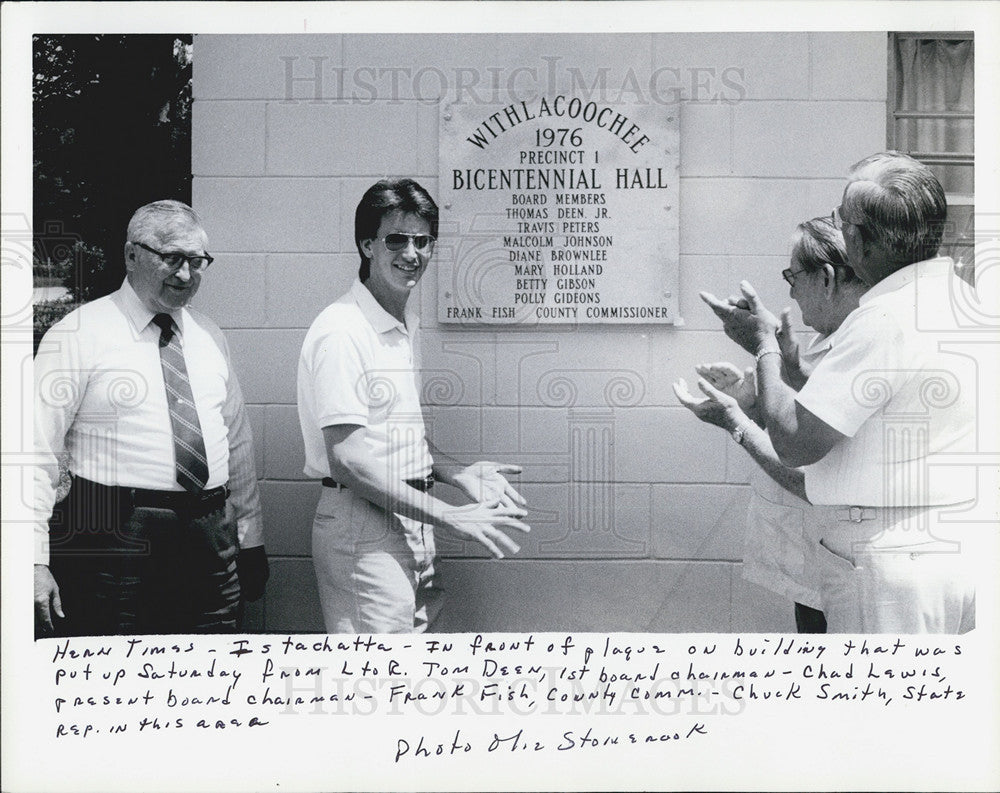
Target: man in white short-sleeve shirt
[359, 409]
[885, 404]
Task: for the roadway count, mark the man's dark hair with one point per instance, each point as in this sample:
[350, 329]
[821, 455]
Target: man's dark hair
[383, 197]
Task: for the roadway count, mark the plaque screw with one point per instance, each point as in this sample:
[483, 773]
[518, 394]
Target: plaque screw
[447, 116]
[448, 295]
[447, 206]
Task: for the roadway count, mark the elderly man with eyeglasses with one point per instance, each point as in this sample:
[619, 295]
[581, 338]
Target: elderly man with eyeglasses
[882, 418]
[161, 530]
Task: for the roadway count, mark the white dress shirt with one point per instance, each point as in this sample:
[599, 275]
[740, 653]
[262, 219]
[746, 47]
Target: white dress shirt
[360, 365]
[100, 397]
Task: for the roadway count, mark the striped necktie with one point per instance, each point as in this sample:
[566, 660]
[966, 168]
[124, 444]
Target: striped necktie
[189, 445]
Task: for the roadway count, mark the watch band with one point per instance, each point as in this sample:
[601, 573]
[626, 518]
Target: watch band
[766, 351]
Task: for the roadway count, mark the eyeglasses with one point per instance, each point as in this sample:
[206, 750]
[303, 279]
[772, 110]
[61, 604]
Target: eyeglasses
[837, 219]
[176, 260]
[422, 243]
[789, 275]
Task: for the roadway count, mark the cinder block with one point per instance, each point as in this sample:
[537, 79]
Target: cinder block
[750, 216]
[758, 610]
[589, 520]
[573, 367]
[706, 139]
[233, 291]
[454, 67]
[292, 601]
[537, 439]
[251, 66]
[265, 214]
[578, 596]
[860, 55]
[667, 445]
[307, 139]
[456, 370]
[425, 139]
[699, 521]
[701, 274]
[676, 356]
[794, 139]
[289, 509]
[284, 453]
[731, 67]
[739, 465]
[460, 431]
[255, 414]
[300, 286]
[720, 275]
[227, 138]
[267, 361]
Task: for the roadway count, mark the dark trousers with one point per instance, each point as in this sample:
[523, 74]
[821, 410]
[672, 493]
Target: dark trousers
[127, 568]
[809, 620]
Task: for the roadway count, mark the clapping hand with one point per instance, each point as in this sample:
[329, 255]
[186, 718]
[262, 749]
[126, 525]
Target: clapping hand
[796, 373]
[718, 408]
[745, 320]
[727, 378]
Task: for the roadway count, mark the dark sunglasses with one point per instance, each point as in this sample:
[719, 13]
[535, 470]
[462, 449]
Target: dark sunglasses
[423, 243]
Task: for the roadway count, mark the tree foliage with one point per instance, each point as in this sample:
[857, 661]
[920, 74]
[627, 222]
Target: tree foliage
[112, 131]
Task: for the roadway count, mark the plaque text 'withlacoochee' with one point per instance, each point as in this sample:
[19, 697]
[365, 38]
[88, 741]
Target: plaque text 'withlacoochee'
[558, 210]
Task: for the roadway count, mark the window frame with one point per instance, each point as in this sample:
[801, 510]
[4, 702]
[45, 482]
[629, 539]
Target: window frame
[957, 240]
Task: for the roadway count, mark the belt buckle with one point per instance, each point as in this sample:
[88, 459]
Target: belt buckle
[856, 514]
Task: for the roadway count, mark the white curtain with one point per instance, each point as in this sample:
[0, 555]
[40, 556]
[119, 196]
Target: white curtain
[936, 75]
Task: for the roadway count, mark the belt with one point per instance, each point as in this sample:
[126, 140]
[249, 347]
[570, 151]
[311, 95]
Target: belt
[856, 514]
[423, 484]
[201, 503]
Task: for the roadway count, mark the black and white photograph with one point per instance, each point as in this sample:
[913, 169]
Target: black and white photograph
[548, 383]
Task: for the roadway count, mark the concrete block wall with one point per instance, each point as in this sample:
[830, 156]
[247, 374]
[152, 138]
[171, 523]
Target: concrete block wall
[637, 509]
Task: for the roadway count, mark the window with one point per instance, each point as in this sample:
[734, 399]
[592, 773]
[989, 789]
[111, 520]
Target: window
[931, 117]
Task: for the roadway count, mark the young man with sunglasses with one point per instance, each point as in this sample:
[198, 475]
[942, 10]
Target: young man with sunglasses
[161, 529]
[359, 409]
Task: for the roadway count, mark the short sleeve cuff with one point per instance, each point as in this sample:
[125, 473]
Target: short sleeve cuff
[332, 419]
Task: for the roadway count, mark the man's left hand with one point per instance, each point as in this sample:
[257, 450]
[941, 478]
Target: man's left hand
[745, 320]
[719, 409]
[253, 570]
[485, 482]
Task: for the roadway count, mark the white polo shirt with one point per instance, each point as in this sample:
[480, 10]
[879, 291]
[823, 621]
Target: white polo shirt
[359, 365]
[901, 400]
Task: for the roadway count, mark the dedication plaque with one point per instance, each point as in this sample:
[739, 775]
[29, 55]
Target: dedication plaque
[558, 209]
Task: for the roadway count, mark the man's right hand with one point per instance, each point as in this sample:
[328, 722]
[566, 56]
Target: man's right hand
[47, 599]
[795, 373]
[482, 522]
